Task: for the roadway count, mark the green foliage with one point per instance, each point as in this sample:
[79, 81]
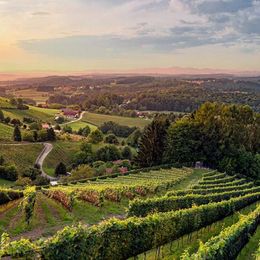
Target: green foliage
[117, 239]
[211, 190]
[31, 173]
[152, 143]
[111, 139]
[67, 129]
[142, 208]
[116, 129]
[8, 172]
[234, 237]
[28, 136]
[51, 136]
[7, 195]
[17, 134]
[184, 142]
[28, 204]
[43, 135]
[133, 139]
[127, 153]
[81, 172]
[95, 137]
[225, 137]
[85, 131]
[60, 169]
[108, 153]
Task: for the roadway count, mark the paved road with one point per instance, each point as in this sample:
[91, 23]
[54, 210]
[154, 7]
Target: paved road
[40, 159]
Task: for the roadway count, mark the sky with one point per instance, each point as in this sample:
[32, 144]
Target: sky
[83, 35]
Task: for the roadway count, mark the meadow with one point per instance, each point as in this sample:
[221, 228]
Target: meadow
[37, 113]
[99, 119]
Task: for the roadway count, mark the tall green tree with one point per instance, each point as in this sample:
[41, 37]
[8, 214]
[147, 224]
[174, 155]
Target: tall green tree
[184, 142]
[17, 134]
[60, 169]
[152, 143]
[51, 134]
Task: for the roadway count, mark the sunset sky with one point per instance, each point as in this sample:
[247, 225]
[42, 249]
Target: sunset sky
[79, 35]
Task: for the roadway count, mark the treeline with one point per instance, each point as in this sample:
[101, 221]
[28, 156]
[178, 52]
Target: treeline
[225, 137]
[163, 94]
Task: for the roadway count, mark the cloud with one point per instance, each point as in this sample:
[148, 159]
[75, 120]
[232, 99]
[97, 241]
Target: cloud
[40, 13]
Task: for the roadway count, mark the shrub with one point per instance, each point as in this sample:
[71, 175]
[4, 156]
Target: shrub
[17, 134]
[111, 139]
[61, 169]
[28, 136]
[127, 153]
[108, 153]
[84, 131]
[81, 172]
[67, 129]
[8, 172]
[118, 130]
[95, 137]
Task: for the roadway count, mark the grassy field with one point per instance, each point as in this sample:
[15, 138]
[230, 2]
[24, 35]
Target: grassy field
[6, 132]
[22, 156]
[42, 114]
[39, 97]
[80, 124]
[99, 119]
[4, 103]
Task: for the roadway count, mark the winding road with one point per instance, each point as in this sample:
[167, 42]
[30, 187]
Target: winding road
[40, 159]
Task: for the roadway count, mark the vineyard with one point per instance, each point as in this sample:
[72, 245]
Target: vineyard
[212, 216]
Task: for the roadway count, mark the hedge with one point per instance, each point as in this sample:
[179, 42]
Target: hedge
[213, 190]
[223, 180]
[141, 208]
[215, 177]
[7, 195]
[227, 184]
[121, 239]
[230, 241]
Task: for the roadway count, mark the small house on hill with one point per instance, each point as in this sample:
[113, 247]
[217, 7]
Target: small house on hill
[70, 113]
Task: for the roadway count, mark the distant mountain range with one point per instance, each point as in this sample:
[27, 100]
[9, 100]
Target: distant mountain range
[174, 71]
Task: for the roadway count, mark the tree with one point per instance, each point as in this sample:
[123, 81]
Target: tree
[85, 155]
[31, 173]
[35, 126]
[51, 134]
[67, 129]
[2, 118]
[127, 153]
[134, 138]
[15, 122]
[84, 131]
[152, 143]
[95, 137]
[7, 120]
[184, 143]
[17, 134]
[61, 169]
[108, 153]
[111, 139]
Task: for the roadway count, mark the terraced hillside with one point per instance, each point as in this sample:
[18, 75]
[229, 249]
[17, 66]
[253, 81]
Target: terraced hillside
[216, 209]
